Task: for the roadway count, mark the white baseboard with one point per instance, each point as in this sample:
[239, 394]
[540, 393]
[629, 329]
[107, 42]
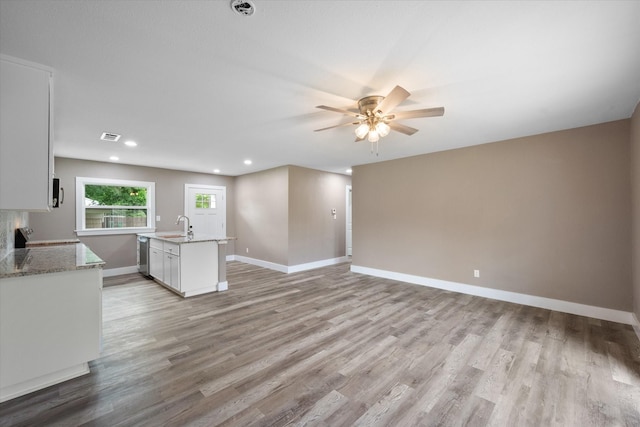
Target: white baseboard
[316, 264]
[16, 390]
[290, 268]
[496, 294]
[260, 263]
[118, 271]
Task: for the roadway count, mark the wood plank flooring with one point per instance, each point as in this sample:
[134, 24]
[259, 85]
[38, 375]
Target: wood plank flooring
[328, 347]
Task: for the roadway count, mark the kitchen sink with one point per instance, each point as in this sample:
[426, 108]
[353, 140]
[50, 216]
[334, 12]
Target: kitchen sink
[172, 236]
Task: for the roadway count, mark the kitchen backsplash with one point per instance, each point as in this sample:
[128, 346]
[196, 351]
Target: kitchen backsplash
[9, 221]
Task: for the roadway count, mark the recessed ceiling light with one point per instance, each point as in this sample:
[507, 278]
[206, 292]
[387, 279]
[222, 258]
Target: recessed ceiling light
[216, 171]
[247, 162]
[243, 7]
[114, 158]
[349, 171]
[130, 143]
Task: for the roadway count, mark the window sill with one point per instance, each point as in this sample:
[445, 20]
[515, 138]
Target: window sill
[114, 231]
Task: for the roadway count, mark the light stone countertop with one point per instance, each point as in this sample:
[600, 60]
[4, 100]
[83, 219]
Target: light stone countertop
[180, 237]
[48, 259]
[34, 243]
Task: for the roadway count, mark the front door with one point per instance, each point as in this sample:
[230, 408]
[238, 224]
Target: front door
[205, 205]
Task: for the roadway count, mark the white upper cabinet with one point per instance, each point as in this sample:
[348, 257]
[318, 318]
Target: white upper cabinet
[26, 156]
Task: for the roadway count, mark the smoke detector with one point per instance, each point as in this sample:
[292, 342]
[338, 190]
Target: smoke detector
[243, 7]
[110, 137]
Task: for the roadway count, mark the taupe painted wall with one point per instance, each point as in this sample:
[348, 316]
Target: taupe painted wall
[547, 215]
[635, 198]
[120, 250]
[313, 233]
[262, 204]
[283, 215]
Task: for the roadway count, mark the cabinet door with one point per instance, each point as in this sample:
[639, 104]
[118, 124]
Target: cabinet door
[25, 136]
[156, 263]
[167, 268]
[174, 262]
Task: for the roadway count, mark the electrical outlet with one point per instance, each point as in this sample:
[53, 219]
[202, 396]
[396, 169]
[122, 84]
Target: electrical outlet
[247, 250]
[476, 273]
[158, 218]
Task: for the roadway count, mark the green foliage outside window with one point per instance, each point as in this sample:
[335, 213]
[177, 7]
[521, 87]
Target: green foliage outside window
[205, 201]
[108, 195]
[113, 206]
[115, 197]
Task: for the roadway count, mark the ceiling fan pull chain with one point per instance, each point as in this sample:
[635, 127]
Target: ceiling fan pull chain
[377, 145]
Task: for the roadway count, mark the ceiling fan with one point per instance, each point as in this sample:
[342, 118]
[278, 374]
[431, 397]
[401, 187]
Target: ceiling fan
[376, 120]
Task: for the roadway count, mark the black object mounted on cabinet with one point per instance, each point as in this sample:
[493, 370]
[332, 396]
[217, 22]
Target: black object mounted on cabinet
[58, 193]
[22, 237]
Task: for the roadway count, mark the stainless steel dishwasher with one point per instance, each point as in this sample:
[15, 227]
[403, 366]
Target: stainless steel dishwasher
[143, 255]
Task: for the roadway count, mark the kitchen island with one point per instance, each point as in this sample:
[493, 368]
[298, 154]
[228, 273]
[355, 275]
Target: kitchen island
[50, 316]
[186, 265]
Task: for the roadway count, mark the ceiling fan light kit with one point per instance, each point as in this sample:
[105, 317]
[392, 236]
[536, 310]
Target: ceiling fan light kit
[383, 129]
[375, 120]
[362, 130]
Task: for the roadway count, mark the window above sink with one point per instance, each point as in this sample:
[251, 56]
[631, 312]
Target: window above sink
[114, 206]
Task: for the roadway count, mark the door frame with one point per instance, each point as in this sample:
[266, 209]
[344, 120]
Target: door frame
[187, 187]
[348, 218]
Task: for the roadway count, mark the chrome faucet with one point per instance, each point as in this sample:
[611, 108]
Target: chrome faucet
[189, 231]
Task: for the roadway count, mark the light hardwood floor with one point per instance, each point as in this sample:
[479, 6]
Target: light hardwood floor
[328, 347]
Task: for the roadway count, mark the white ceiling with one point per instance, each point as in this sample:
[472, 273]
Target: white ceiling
[200, 87]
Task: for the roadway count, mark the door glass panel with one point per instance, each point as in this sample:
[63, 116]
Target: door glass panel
[205, 201]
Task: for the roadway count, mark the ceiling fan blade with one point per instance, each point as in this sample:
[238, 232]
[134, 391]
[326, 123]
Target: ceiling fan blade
[337, 126]
[402, 128]
[425, 112]
[391, 101]
[340, 110]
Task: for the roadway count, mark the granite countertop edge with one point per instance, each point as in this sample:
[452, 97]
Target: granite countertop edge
[197, 238]
[48, 259]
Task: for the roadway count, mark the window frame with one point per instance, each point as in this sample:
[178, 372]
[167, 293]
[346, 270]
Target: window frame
[81, 229]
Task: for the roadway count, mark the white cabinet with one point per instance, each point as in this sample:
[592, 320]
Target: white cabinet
[166, 270]
[172, 265]
[187, 268]
[156, 258]
[26, 159]
[164, 261]
[172, 273]
[50, 327]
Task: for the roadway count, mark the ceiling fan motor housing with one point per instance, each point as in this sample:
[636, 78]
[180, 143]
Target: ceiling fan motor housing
[369, 103]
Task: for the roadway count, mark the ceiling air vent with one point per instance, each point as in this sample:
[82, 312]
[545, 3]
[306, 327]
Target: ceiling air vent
[243, 7]
[110, 137]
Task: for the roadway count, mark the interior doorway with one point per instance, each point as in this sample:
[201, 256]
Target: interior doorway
[206, 207]
[349, 225]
